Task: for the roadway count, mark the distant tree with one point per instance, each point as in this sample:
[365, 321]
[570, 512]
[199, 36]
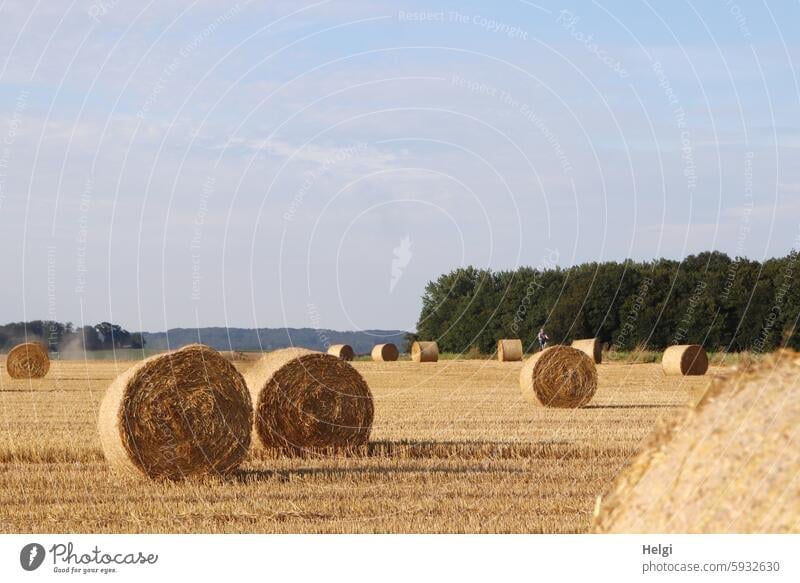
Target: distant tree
[112, 335]
[408, 340]
[59, 336]
[89, 338]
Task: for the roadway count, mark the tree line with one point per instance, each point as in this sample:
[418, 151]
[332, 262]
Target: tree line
[59, 337]
[709, 299]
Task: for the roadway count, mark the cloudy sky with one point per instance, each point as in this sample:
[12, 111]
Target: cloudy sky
[286, 163]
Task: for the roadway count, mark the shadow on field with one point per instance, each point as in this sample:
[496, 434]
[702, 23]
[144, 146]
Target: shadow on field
[484, 450]
[472, 451]
[59, 390]
[251, 476]
[379, 458]
[635, 406]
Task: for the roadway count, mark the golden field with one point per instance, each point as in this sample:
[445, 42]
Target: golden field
[454, 448]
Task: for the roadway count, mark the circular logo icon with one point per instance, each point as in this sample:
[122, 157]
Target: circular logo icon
[31, 556]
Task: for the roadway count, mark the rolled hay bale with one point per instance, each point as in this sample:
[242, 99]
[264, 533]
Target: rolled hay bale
[425, 352]
[308, 401]
[343, 351]
[559, 376]
[385, 352]
[509, 350]
[27, 361]
[685, 359]
[591, 346]
[185, 414]
[728, 466]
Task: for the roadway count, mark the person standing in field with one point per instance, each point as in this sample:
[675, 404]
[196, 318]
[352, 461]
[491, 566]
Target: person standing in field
[543, 338]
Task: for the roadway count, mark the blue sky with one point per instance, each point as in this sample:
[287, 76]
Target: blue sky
[289, 164]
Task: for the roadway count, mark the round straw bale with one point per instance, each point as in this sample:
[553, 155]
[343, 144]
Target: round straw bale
[591, 346]
[343, 351]
[185, 414]
[27, 361]
[685, 359]
[728, 466]
[425, 352]
[308, 401]
[559, 376]
[509, 350]
[385, 352]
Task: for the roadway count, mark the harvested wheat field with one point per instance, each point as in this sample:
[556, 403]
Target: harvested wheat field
[454, 447]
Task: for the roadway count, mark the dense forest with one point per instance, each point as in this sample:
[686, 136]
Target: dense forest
[710, 299]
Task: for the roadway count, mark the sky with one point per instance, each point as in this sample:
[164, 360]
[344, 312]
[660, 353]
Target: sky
[269, 164]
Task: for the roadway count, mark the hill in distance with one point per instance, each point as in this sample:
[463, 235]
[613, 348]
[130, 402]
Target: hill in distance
[266, 339]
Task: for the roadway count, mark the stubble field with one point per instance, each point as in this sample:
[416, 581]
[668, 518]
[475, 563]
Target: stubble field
[454, 448]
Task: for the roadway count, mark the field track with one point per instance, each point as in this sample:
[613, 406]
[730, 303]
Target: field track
[454, 448]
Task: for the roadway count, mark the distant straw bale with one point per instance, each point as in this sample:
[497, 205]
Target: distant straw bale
[509, 350]
[686, 359]
[343, 351]
[425, 352]
[27, 361]
[591, 346]
[559, 376]
[385, 352]
[240, 356]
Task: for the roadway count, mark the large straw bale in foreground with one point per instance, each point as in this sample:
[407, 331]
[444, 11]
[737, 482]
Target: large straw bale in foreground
[185, 414]
[343, 351]
[307, 401]
[685, 359]
[559, 376]
[424, 352]
[730, 466]
[591, 346]
[509, 350]
[27, 361]
[385, 352]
